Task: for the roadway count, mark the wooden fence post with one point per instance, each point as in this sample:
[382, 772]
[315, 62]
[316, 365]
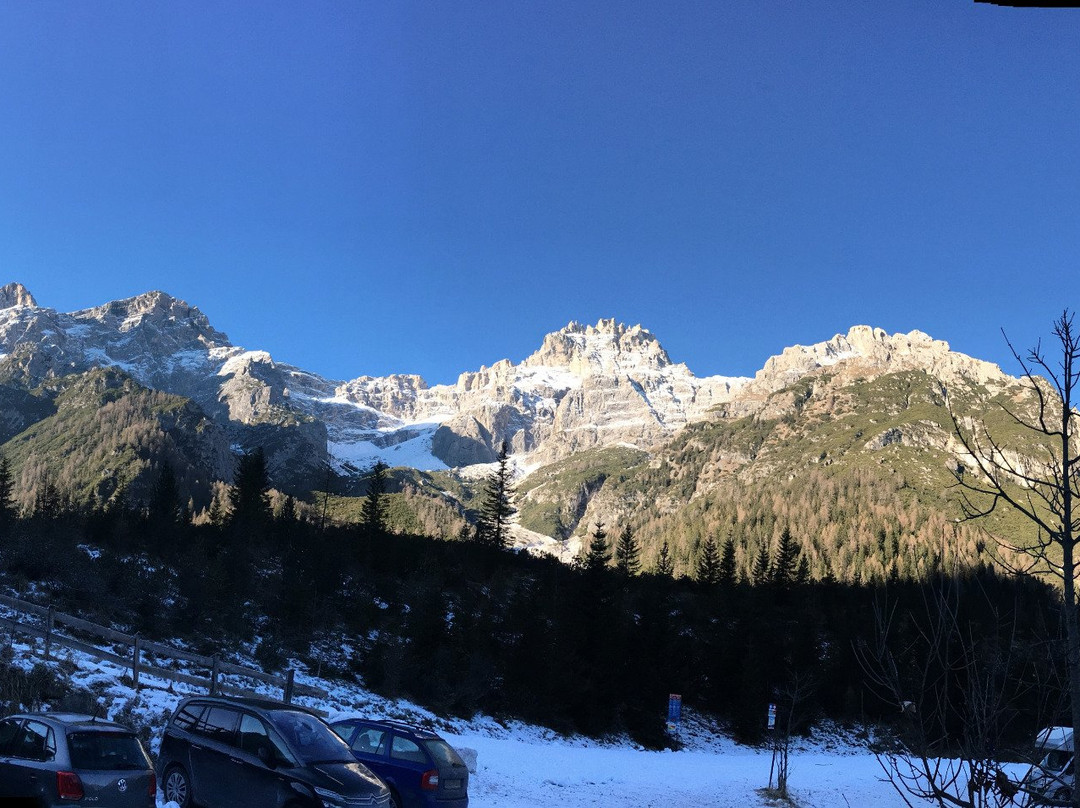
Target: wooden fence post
[290, 680]
[135, 663]
[214, 678]
[48, 633]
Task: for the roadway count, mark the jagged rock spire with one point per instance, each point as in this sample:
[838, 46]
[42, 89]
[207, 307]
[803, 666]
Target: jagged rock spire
[15, 294]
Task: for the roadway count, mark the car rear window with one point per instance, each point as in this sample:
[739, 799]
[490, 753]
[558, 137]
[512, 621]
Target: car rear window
[443, 753]
[103, 751]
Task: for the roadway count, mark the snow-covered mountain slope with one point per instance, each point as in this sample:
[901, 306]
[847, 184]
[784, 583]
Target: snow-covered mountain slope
[585, 387]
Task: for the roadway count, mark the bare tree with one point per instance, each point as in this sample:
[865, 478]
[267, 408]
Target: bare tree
[790, 698]
[1034, 470]
[955, 683]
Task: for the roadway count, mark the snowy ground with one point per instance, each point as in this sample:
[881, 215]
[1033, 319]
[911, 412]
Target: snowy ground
[518, 774]
[520, 766]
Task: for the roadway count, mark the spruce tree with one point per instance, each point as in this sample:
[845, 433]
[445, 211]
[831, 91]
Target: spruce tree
[708, 565]
[373, 513]
[626, 553]
[664, 564]
[497, 507]
[785, 562]
[7, 491]
[802, 576]
[596, 558]
[249, 495]
[728, 572]
[164, 506]
[759, 574]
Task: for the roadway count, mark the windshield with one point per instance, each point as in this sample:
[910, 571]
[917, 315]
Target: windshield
[102, 751]
[1056, 760]
[310, 738]
[443, 753]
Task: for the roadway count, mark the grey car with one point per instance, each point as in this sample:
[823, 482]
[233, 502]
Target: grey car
[54, 759]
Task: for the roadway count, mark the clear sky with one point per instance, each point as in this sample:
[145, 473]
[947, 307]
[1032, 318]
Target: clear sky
[374, 187]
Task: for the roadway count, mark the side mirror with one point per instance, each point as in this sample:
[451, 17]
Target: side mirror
[267, 757]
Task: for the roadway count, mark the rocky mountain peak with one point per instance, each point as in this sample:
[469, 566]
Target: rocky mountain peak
[600, 349]
[15, 294]
[873, 351]
[158, 311]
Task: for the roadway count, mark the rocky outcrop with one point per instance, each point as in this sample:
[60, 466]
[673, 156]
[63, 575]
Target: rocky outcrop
[586, 386]
[15, 294]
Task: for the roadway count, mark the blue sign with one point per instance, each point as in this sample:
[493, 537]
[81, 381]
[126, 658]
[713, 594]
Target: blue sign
[674, 712]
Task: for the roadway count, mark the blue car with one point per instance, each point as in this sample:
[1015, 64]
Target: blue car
[421, 769]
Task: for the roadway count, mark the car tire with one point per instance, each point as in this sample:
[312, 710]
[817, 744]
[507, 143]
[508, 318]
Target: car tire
[176, 786]
[395, 798]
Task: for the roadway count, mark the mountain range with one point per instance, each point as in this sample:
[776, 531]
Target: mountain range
[593, 419]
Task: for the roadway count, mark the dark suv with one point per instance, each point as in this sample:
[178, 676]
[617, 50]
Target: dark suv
[422, 770]
[221, 752]
[53, 759]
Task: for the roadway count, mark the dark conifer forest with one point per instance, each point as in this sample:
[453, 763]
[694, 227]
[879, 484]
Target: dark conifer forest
[465, 626]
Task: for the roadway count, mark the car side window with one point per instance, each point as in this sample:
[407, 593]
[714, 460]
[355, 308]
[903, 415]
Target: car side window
[404, 749]
[188, 717]
[9, 731]
[218, 724]
[370, 742]
[35, 742]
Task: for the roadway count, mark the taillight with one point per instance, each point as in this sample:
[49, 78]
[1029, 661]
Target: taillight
[152, 790]
[429, 781]
[69, 786]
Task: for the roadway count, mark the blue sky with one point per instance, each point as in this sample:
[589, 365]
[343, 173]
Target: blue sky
[375, 187]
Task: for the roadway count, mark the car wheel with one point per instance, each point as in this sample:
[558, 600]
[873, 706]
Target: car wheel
[177, 787]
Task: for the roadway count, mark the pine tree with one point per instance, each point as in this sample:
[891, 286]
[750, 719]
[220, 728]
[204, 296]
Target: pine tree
[626, 553]
[728, 571]
[249, 495]
[7, 490]
[164, 503]
[802, 576]
[597, 556]
[373, 513]
[497, 507]
[708, 565]
[287, 515]
[664, 564]
[760, 572]
[785, 562]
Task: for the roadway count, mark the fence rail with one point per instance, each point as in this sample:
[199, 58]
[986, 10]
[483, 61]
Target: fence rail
[135, 662]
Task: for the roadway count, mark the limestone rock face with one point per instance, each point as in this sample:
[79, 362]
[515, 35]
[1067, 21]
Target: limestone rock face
[586, 386]
[871, 351]
[15, 294]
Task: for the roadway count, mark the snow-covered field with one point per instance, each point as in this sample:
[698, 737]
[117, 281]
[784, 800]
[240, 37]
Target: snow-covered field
[520, 766]
[518, 773]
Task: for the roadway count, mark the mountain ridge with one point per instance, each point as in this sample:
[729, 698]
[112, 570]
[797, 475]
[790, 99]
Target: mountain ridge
[585, 386]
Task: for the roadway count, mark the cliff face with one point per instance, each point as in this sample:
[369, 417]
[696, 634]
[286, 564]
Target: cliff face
[587, 386]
